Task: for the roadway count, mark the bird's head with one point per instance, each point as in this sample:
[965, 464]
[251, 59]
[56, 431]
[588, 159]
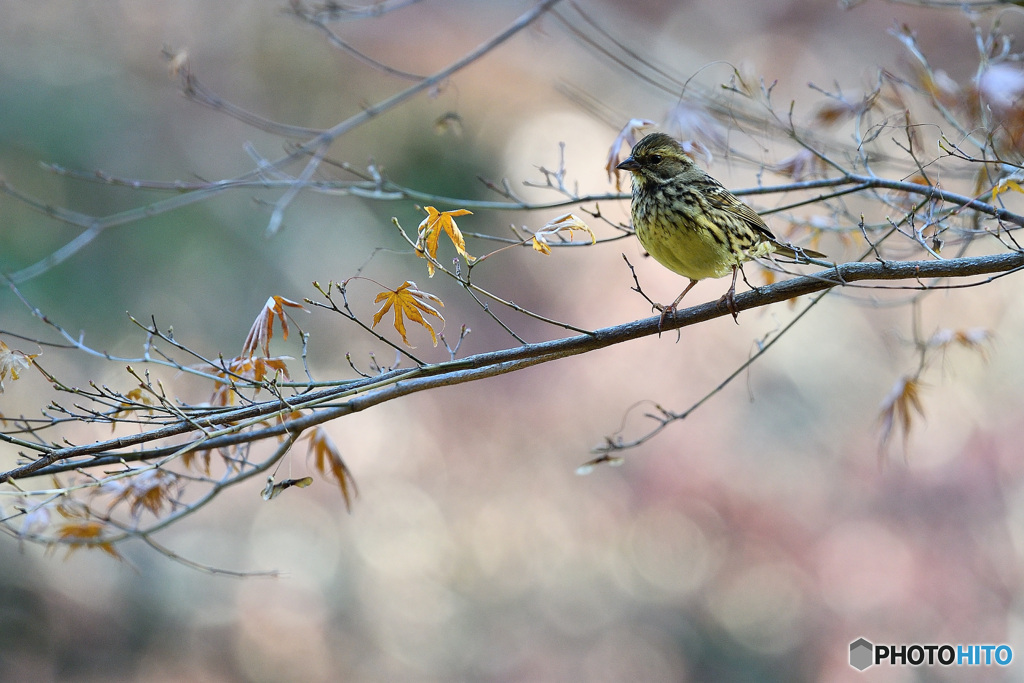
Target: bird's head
[656, 159]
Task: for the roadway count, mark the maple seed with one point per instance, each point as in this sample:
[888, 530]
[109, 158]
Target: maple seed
[273, 490]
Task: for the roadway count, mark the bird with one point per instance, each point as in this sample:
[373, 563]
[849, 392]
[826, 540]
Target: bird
[690, 223]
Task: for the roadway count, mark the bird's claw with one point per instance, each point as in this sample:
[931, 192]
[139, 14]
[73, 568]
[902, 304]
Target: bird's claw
[666, 311]
[729, 299]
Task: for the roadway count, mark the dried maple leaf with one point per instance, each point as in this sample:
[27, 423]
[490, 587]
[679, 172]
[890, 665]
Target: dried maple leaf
[693, 125]
[430, 230]
[261, 366]
[327, 459]
[629, 136]
[36, 520]
[148, 490]
[87, 533]
[801, 165]
[974, 338]
[263, 327]
[238, 369]
[135, 398]
[13, 362]
[1007, 184]
[198, 458]
[839, 108]
[898, 407]
[253, 369]
[1001, 87]
[564, 223]
[943, 88]
[935, 82]
[408, 302]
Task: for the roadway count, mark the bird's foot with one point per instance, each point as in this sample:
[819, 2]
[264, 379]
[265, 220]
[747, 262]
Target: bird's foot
[666, 313]
[729, 299]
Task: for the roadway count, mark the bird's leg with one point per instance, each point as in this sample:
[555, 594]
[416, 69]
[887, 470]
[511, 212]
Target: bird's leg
[671, 308]
[729, 298]
[682, 294]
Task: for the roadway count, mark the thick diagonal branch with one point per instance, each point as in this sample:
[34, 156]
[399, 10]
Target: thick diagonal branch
[334, 402]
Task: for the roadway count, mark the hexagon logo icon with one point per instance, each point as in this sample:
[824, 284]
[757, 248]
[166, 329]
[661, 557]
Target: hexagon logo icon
[861, 652]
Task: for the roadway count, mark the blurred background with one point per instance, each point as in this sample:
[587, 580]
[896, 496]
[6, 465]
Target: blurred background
[752, 542]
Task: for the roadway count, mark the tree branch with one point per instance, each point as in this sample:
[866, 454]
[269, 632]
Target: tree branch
[362, 394]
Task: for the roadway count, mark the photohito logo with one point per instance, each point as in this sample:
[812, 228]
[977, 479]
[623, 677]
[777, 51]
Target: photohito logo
[864, 654]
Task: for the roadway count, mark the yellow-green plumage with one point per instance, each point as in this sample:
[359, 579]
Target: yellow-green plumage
[687, 221]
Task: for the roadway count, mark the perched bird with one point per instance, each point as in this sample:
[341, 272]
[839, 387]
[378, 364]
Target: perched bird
[692, 225]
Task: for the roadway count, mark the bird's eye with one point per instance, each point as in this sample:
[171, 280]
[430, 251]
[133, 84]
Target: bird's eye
[655, 158]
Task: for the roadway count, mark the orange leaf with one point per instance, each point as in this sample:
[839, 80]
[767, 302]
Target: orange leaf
[200, 459]
[1004, 185]
[408, 302]
[898, 407]
[148, 490]
[974, 338]
[135, 398]
[86, 533]
[247, 368]
[801, 165]
[430, 230]
[263, 327]
[838, 108]
[327, 459]
[941, 86]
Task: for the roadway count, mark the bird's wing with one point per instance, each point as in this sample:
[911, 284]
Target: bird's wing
[720, 198]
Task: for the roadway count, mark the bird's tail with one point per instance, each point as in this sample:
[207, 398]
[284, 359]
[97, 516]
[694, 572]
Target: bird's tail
[797, 253]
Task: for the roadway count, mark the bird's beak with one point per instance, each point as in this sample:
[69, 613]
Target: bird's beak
[629, 164]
